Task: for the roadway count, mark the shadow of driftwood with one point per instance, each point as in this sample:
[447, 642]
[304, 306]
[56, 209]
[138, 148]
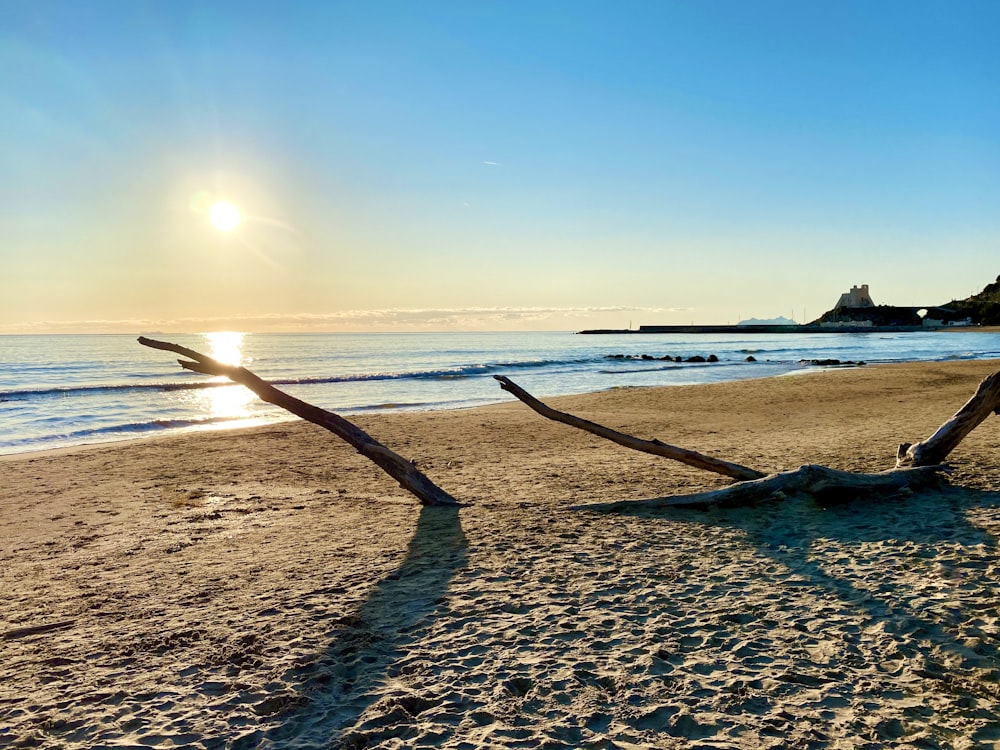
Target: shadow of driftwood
[917, 565]
[337, 689]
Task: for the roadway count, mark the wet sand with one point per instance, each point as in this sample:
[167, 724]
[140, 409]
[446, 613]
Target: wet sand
[271, 588]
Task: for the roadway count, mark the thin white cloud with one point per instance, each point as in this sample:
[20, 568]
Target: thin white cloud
[383, 319]
[491, 163]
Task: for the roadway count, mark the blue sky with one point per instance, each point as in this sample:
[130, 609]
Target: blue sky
[491, 165]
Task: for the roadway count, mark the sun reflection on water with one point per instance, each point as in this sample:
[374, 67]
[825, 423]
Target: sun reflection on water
[231, 401]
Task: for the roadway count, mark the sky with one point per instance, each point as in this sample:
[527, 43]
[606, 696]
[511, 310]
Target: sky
[543, 165]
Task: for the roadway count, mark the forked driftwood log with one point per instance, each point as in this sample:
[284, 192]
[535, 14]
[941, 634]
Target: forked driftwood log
[403, 471]
[917, 466]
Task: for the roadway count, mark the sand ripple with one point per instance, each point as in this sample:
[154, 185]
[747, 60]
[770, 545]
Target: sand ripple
[255, 598]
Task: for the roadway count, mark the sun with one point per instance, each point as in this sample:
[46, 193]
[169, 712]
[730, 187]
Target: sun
[224, 216]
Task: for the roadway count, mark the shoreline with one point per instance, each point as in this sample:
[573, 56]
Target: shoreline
[281, 417]
[268, 585]
[119, 401]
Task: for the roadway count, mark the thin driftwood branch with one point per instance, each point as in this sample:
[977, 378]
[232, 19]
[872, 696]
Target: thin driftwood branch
[403, 471]
[655, 447]
[935, 449]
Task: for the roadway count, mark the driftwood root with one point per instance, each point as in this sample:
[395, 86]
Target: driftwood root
[821, 482]
[935, 449]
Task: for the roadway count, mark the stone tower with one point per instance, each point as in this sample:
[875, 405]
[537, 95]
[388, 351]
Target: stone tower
[857, 297]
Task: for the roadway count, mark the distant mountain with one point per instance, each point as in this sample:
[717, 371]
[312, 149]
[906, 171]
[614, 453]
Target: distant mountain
[779, 321]
[983, 308]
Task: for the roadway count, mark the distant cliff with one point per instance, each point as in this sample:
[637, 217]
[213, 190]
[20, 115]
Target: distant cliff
[876, 315]
[983, 308]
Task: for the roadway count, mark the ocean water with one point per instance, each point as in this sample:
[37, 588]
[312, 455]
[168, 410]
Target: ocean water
[65, 390]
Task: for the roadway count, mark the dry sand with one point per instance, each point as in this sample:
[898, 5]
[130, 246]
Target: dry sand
[270, 588]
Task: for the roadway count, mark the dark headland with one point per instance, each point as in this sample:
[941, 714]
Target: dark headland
[856, 312]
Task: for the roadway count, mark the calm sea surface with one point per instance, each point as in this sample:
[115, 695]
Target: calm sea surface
[65, 390]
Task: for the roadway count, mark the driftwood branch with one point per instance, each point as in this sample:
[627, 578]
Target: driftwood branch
[917, 466]
[655, 447]
[935, 449]
[403, 471]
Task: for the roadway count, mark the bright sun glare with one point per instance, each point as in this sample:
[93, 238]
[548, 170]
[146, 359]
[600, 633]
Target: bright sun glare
[224, 216]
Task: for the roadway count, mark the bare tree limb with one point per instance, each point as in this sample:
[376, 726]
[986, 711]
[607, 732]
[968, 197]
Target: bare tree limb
[655, 447]
[403, 471]
[935, 449]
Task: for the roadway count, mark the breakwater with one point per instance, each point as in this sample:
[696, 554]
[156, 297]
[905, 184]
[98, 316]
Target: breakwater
[759, 329]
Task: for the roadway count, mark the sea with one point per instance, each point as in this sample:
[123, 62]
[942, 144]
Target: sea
[68, 390]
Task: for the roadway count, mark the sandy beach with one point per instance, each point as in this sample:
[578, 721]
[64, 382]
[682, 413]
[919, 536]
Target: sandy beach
[271, 588]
